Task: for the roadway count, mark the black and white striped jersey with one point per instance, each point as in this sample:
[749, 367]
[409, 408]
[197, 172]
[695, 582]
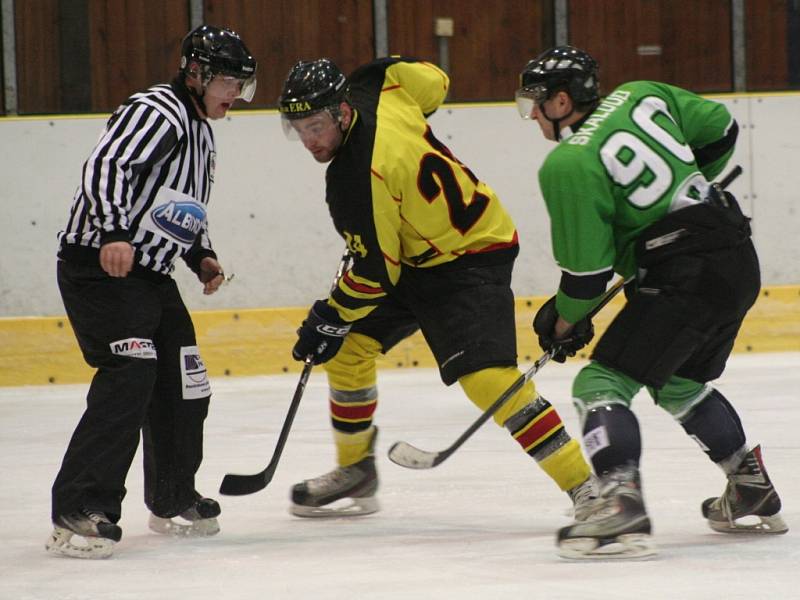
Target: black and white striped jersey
[147, 181]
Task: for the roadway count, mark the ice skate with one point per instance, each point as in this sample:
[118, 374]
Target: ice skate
[344, 492]
[584, 496]
[749, 496]
[616, 526]
[97, 535]
[199, 520]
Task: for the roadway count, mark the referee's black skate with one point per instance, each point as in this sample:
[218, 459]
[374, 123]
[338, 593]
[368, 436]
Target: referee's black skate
[199, 520]
[344, 492]
[617, 526]
[96, 532]
[749, 503]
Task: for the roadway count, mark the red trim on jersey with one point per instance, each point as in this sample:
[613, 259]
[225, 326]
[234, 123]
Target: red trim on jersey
[381, 177]
[426, 240]
[430, 66]
[395, 262]
[390, 88]
[499, 246]
[540, 429]
[361, 287]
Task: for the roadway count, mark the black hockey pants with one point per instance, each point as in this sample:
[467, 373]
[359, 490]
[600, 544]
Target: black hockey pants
[139, 336]
[702, 276]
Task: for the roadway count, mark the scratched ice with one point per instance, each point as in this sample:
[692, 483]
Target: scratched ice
[481, 525]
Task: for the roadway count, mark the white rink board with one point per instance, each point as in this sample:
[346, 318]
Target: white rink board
[270, 225]
[480, 526]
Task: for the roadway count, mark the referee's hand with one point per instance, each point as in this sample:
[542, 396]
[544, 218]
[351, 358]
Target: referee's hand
[211, 275]
[116, 258]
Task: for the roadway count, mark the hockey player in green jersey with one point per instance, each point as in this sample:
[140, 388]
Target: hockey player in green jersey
[628, 190]
[433, 250]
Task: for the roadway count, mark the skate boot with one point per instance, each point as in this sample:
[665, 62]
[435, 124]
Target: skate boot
[617, 525]
[354, 486]
[97, 532]
[584, 496]
[199, 520]
[749, 493]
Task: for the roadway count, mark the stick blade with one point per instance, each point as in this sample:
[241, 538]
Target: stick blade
[406, 455]
[242, 485]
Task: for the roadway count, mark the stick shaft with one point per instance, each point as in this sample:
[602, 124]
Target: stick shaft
[240, 485]
[431, 459]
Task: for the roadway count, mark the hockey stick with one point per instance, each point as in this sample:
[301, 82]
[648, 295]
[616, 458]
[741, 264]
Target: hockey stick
[406, 455]
[732, 174]
[241, 485]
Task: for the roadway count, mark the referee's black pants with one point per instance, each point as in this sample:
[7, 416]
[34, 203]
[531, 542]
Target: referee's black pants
[129, 394]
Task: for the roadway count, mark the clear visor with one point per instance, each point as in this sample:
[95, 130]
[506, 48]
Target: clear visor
[528, 98]
[308, 129]
[246, 88]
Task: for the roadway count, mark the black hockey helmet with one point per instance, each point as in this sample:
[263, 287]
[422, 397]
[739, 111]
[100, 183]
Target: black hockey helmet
[560, 68]
[219, 52]
[311, 87]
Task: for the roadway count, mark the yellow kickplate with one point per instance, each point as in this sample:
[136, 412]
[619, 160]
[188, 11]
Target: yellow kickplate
[41, 350]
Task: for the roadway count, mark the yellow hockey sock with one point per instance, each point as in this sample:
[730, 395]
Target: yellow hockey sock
[485, 386]
[353, 447]
[566, 466]
[532, 421]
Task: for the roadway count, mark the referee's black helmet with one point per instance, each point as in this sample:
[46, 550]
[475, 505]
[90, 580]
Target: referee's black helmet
[219, 51]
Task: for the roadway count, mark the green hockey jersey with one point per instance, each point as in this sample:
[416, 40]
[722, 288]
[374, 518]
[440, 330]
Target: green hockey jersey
[648, 149]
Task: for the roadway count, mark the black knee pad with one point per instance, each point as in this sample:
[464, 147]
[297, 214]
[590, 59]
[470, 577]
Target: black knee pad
[611, 437]
[715, 426]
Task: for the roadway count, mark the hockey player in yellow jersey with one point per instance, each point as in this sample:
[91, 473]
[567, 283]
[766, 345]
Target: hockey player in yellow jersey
[433, 249]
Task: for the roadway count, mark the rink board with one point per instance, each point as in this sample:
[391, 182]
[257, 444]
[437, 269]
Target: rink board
[40, 350]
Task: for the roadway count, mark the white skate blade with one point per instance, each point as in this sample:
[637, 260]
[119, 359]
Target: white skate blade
[347, 507]
[60, 544]
[199, 528]
[628, 546]
[752, 524]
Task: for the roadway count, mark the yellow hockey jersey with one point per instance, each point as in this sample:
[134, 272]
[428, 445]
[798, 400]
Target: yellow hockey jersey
[396, 194]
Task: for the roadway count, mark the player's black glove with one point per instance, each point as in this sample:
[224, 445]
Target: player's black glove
[321, 334]
[544, 324]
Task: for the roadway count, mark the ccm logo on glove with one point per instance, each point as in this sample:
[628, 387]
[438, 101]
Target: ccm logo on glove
[321, 334]
[335, 330]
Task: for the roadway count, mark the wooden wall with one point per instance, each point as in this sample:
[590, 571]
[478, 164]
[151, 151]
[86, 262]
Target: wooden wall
[656, 39]
[133, 46]
[36, 25]
[281, 32]
[491, 41]
[767, 41]
[89, 55]
[2, 75]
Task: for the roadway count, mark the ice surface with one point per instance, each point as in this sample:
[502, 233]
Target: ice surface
[481, 525]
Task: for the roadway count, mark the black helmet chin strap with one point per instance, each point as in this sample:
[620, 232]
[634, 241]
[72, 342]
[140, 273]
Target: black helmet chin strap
[556, 122]
[577, 124]
[198, 98]
[193, 92]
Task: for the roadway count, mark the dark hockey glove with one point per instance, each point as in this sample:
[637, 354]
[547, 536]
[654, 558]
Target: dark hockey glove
[544, 324]
[321, 334]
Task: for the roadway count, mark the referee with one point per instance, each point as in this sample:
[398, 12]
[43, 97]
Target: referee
[141, 205]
